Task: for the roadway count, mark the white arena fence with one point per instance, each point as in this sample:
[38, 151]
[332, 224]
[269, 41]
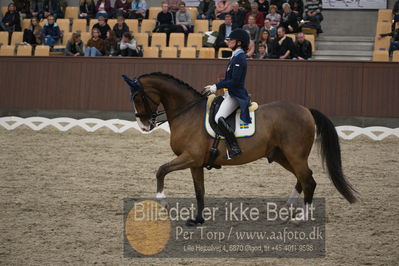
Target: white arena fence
[120, 126]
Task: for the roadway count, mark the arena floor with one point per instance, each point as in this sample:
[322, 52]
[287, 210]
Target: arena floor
[61, 197]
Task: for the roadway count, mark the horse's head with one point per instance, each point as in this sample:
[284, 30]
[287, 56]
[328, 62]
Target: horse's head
[145, 104]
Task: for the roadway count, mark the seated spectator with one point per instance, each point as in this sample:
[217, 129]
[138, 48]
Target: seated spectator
[51, 32]
[111, 44]
[103, 27]
[11, 19]
[312, 22]
[138, 9]
[251, 28]
[237, 15]
[303, 47]
[261, 52]
[122, 8]
[265, 40]
[224, 31]
[95, 46]
[32, 35]
[274, 16]
[395, 38]
[173, 5]
[52, 7]
[103, 9]
[223, 7]
[263, 6]
[278, 4]
[22, 7]
[256, 14]
[36, 9]
[268, 26]
[251, 49]
[128, 47]
[2, 26]
[165, 21]
[297, 8]
[289, 20]
[87, 9]
[74, 46]
[120, 28]
[395, 11]
[206, 9]
[283, 47]
[245, 5]
[183, 19]
[313, 9]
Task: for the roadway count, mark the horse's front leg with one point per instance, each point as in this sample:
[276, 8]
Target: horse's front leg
[184, 161]
[198, 178]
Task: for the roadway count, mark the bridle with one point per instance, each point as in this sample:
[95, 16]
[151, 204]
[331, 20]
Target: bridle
[136, 88]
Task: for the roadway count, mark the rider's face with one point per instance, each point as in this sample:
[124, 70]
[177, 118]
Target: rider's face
[231, 43]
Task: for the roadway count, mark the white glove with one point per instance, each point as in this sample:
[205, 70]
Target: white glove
[210, 89]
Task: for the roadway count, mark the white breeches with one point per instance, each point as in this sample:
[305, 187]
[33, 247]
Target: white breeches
[227, 107]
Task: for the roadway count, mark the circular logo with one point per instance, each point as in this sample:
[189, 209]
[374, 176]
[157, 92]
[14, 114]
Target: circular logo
[148, 227]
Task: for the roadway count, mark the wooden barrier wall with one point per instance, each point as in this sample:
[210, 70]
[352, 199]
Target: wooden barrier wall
[366, 89]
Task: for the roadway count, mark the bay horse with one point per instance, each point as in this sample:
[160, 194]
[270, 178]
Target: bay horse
[285, 133]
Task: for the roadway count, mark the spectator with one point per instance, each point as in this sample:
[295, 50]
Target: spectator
[245, 5]
[127, 46]
[237, 15]
[251, 28]
[261, 52]
[22, 7]
[95, 46]
[256, 14]
[139, 9]
[251, 49]
[11, 19]
[111, 44]
[297, 8]
[313, 9]
[223, 7]
[103, 9]
[289, 20]
[224, 31]
[268, 26]
[395, 38]
[36, 9]
[103, 27]
[74, 46]
[120, 27]
[173, 5]
[303, 47]
[206, 9]
[263, 7]
[395, 11]
[274, 16]
[87, 9]
[121, 8]
[165, 20]
[52, 7]
[312, 22]
[265, 40]
[51, 32]
[2, 26]
[32, 35]
[283, 46]
[183, 19]
[278, 4]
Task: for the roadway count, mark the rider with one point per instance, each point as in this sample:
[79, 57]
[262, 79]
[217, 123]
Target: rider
[237, 96]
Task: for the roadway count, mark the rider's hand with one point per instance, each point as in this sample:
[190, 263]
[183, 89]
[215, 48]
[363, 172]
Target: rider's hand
[210, 89]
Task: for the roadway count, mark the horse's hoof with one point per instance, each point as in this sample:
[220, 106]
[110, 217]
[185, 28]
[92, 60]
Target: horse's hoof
[196, 222]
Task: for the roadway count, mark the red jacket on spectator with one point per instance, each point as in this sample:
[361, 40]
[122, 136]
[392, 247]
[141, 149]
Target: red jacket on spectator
[260, 20]
[107, 6]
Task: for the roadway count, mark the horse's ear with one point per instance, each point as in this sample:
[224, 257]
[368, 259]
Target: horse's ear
[128, 80]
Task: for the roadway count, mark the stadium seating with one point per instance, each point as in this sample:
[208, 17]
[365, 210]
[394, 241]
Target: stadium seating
[194, 13]
[141, 39]
[17, 37]
[147, 25]
[176, 39]
[72, 12]
[153, 12]
[395, 56]
[85, 36]
[92, 23]
[206, 52]
[169, 52]
[63, 24]
[111, 22]
[188, 52]
[25, 23]
[42, 50]
[383, 27]
[201, 26]
[133, 25]
[221, 51]
[24, 50]
[384, 15]
[79, 25]
[382, 44]
[194, 39]
[7, 50]
[4, 9]
[4, 37]
[158, 39]
[151, 52]
[381, 56]
[67, 36]
[216, 24]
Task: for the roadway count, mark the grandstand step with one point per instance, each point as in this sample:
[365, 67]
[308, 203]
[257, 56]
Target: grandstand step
[343, 53]
[342, 58]
[327, 38]
[346, 46]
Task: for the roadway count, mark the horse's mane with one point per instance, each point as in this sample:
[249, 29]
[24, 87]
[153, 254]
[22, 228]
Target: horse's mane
[180, 82]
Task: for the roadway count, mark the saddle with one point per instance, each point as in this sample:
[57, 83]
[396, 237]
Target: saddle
[242, 130]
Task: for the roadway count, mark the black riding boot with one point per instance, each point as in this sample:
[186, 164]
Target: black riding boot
[228, 133]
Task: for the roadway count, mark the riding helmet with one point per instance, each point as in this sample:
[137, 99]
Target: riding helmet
[239, 35]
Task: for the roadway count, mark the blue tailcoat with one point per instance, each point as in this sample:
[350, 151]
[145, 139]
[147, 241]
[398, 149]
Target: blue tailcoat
[234, 82]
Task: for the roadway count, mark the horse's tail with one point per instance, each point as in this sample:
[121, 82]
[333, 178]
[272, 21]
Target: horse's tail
[331, 154]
